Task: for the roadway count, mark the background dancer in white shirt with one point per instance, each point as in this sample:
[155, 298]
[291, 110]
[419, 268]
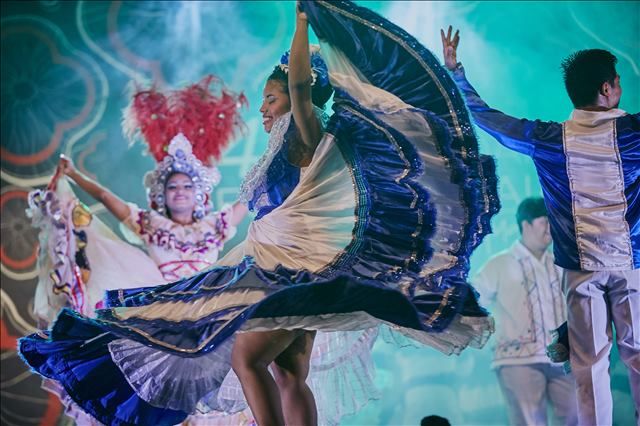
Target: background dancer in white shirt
[524, 289]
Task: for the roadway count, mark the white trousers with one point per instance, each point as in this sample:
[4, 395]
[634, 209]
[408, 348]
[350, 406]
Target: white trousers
[594, 301]
[529, 388]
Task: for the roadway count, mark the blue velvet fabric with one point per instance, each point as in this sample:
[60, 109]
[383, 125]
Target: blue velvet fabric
[389, 229]
[387, 56]
[289, 293]
[411, 72]
[84, 368]
[628, 132]
[542, 141]
[386, 220]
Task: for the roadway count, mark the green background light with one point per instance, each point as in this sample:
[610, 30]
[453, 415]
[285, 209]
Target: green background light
[66, 66]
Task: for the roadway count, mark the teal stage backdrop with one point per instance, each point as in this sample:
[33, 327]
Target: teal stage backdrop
[65, 70]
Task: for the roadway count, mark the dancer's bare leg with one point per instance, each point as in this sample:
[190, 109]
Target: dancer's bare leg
[252, 354]
[290, 370]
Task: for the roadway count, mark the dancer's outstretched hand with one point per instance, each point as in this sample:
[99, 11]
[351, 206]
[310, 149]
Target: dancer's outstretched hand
[450, 47]
[65, 165]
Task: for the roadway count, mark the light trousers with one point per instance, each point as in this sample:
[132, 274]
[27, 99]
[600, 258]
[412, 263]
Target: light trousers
[528, 389]
[595, 300]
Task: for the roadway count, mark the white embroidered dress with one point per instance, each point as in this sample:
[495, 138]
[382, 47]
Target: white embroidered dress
[173, 251]
[181, 250]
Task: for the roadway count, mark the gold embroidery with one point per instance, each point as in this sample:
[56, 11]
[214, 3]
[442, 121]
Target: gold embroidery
[174, 311]
[454, 116]
[443, 303]
[413, 53]
[169, 345]
[413, 256]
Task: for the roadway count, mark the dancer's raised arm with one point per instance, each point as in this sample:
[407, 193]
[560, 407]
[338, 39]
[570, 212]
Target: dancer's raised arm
[514, 133]
[300, 82]
[111, 201]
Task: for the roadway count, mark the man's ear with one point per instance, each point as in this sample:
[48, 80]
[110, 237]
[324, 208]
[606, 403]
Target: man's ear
[605, 89]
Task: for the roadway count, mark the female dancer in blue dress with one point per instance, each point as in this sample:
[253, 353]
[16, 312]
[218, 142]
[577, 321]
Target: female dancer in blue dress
[368, 219]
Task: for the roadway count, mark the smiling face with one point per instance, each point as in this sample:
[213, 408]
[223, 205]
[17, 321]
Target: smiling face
[275, 103]
[180, 194]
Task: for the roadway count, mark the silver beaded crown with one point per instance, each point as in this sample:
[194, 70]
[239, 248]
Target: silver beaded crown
[180, 159]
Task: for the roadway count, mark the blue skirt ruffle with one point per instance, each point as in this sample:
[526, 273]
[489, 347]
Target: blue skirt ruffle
[381, 277]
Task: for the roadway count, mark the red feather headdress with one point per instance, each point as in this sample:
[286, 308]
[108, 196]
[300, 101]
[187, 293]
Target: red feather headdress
[208, 122]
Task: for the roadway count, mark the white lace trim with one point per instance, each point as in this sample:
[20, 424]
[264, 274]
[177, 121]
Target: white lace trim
[257, 175]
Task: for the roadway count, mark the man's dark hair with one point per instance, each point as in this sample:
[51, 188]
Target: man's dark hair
[434, 420]
[585, 72]
[530, 209]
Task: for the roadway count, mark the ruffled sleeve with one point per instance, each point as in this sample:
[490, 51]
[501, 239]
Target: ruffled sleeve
[143, 222]
[220, 223]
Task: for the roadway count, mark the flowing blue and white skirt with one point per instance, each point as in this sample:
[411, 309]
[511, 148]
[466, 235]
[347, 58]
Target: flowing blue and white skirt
[377, 231]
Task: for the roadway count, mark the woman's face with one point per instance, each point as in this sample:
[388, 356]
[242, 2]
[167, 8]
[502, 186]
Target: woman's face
[275, 102]
[180, 194]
